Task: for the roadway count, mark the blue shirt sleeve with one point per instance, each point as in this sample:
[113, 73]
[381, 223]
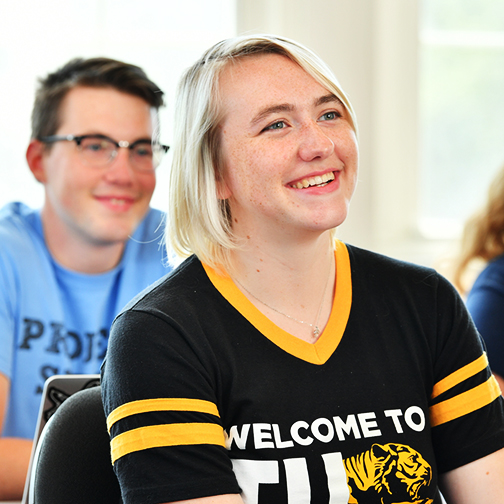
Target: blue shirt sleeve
[486, 305]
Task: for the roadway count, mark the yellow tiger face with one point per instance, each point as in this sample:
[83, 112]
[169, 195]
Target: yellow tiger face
[395, 473]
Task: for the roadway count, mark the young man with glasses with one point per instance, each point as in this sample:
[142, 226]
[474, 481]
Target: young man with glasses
[67, 269]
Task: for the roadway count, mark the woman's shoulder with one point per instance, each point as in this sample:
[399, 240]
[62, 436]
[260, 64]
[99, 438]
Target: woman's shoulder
[492, 276]
[496, 265]
[184, 281]
[375, 264]
[393, 280]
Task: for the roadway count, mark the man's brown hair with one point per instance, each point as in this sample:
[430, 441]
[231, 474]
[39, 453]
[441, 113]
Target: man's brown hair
[93, 72]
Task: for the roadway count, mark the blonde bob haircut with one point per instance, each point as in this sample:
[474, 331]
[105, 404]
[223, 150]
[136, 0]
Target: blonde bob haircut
[198, 222]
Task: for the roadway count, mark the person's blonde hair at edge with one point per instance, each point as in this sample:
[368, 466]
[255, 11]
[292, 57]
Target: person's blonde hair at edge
[198, 222]
[483, 235]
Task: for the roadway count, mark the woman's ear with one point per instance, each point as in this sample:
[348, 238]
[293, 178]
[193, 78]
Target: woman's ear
[223, 191]
[34, 158]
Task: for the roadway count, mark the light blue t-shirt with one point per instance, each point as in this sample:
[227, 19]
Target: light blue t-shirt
[53, 320]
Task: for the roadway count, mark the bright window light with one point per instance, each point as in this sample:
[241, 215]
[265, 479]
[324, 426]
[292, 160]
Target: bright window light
[461, 109]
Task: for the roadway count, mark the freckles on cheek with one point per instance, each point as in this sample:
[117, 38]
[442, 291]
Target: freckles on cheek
[251, 171]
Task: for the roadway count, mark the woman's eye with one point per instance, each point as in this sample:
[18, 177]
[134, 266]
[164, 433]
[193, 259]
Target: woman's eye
[330, 116]
[275, 126]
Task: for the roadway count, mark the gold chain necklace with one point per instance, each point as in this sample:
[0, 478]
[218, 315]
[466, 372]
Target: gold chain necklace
[316, 330]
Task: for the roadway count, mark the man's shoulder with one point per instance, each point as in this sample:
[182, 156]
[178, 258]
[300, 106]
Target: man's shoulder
[152, 223]
[23, 253]
[146, 246]
[17, 221]
[15, 210]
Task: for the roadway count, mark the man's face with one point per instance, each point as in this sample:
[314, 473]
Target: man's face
[97, 205]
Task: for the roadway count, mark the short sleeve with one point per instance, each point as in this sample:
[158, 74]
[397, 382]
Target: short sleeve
[466, 410]
[167, 439]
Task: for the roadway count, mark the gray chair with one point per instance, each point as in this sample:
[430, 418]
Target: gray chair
[72, 462]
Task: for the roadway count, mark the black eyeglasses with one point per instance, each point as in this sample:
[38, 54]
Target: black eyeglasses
[100, 150]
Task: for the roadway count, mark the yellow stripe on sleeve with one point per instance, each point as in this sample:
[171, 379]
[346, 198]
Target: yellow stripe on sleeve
[460, 375]
[465, 403]
[158, 436]
[148, 405]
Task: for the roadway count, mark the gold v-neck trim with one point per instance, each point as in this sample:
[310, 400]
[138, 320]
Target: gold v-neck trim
[315, 353]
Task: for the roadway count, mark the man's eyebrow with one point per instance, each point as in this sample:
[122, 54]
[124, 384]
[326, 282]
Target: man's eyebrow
[328, 98]
[102, 135]
[283, 107]
[144, 139]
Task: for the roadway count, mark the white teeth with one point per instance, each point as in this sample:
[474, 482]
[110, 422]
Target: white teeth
[117, 201]
[314, 181]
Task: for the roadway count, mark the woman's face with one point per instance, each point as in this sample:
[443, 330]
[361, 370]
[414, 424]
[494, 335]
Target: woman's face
[289, 151]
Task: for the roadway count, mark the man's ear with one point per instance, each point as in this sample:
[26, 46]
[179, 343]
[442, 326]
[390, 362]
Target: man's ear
[35, 158]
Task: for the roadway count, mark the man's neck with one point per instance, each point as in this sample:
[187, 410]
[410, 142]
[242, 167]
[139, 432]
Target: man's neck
[75, 252]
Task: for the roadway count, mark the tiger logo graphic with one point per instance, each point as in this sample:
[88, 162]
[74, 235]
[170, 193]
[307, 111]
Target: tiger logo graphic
[395, 473]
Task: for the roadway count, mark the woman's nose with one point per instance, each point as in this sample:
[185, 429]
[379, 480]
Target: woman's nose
[314, 143]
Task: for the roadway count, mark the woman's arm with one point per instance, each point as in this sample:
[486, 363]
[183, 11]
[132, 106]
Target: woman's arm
[479, 481]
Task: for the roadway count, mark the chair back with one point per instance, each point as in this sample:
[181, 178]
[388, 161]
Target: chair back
[72, 463]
